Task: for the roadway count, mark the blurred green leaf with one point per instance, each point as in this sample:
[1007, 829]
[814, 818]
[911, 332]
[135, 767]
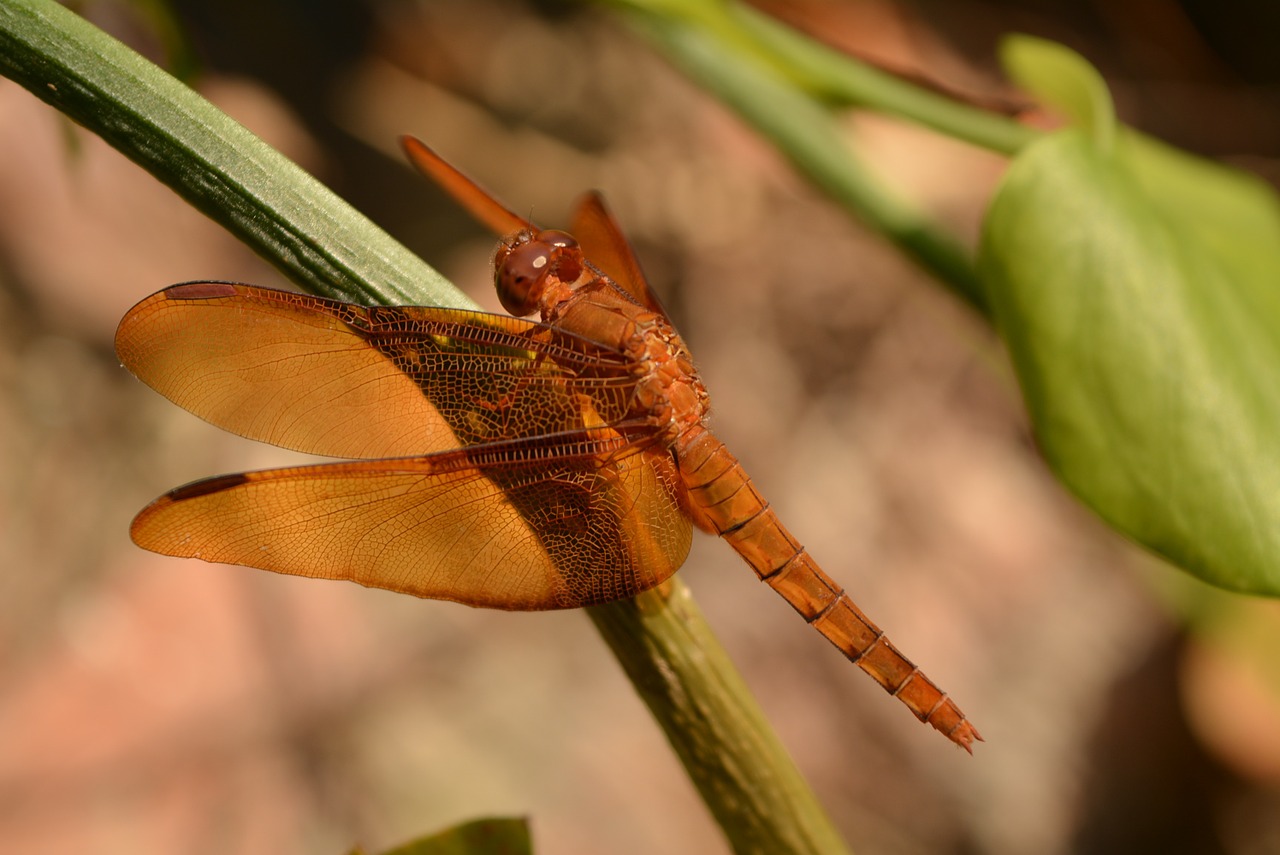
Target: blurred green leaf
[494, 836]
[1136, 289]
[1063, 79]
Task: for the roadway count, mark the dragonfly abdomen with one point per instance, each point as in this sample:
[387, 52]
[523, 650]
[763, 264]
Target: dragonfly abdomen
[726, 499]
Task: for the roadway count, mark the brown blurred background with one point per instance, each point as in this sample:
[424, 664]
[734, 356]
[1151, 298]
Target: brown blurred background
[152, 705]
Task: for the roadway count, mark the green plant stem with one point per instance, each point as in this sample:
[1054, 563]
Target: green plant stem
[828, 75]
[755, 792]
[840, 80]
[750, 784]
[709, 42]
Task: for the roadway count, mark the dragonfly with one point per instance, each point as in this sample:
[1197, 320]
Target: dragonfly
[492, 460]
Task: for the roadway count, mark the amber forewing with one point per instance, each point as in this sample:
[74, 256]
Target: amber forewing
[330, 378]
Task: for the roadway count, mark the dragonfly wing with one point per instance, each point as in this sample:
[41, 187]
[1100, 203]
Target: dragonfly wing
[479, 202]
[606, 246]
[566, 532]
[341, 380]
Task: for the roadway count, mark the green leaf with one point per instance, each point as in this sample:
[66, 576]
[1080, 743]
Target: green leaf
[497, 836]
[1063, 79]
[1137, 291]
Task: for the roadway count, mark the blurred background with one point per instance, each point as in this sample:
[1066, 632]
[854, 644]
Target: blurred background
[153, 705]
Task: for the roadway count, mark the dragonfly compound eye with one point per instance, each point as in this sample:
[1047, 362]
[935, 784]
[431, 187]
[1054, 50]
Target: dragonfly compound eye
[521, 271]
[521, 277]
[566, 256]
[555, 237]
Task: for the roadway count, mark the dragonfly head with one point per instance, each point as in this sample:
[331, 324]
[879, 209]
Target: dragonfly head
[528, 262]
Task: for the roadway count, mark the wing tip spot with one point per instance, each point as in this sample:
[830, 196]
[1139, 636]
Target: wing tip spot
[200, 291]
[206, 486]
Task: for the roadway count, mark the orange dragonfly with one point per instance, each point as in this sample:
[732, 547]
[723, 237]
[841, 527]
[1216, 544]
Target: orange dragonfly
[493, 461]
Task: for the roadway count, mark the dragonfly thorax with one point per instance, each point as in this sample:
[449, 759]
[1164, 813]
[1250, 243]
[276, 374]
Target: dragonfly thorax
[670, 394]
